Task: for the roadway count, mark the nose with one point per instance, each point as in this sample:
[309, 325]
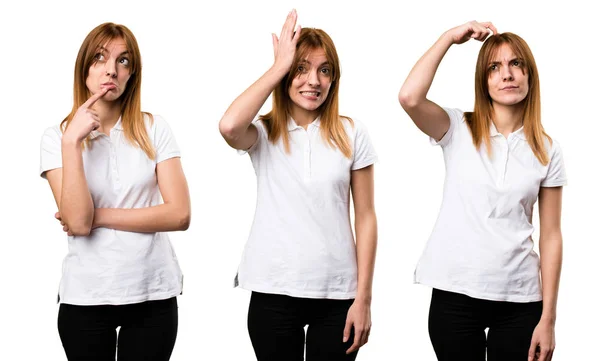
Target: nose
[111, 69]
[507, 73]
[313, 78]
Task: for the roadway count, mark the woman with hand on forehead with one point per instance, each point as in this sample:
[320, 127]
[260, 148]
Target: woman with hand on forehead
[108, 165]
[499, 161]
[301, 262]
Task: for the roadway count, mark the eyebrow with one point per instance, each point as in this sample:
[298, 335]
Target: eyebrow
[103, 49]
[510, 61]
[305, 61]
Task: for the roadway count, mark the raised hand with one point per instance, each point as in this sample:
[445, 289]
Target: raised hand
[284, 47]
[471, 30]
[85, 120]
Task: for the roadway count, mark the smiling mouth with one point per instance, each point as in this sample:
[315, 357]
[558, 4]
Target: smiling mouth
[311, 94]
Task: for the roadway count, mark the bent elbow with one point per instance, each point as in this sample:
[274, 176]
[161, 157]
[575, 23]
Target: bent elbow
[407, 100]
[184, 221]
[227, 130]
[80, 229]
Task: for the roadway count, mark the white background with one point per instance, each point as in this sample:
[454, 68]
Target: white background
[197, 59]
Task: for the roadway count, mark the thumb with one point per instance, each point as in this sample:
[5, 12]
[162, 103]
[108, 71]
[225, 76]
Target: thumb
[275, 43]
[347, 329]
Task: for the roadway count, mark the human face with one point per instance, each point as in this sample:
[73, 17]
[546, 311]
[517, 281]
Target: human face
[508, 81]
[310, 87]
[110, 70]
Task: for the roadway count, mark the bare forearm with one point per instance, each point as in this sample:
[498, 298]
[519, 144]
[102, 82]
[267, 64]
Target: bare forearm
[420, 78]
[76, 205]
[244, 108]
[551, 263]
[366, 247]
[160, 218]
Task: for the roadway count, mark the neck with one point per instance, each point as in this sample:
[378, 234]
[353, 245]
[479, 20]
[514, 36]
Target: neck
[304, 117]
[109, 113]
[508, 119]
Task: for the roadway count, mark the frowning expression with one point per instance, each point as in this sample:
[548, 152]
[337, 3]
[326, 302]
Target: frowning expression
[508, 81]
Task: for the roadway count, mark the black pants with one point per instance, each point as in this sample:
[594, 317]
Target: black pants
[148, 331]
[276, 326]
[457, 326]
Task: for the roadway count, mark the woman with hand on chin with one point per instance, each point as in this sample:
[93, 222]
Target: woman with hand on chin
[480, 259]
[108, 164]
[301, 262]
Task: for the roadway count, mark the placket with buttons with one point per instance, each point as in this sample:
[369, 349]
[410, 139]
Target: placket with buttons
[113, 140]
[307, 152]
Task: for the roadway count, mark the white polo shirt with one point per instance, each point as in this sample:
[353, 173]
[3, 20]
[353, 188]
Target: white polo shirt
[481, 244]
[301, 242]
[110, 266]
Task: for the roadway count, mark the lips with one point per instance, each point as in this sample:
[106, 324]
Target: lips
[109, 85]
[310, 94]
[510, 87]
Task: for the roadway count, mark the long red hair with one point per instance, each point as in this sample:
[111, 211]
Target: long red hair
[332, 129]
[479, 120]
[132, 118]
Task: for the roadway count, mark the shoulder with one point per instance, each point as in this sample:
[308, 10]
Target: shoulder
[552, 147]
[260, 126]
[155, 123]
[456, 115]
[353, 126]
[52, 134]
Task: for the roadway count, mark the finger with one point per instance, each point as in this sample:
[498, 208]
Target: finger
[69, 233]
[531, 353]
[364, 339]
[65, 228]
[544, 354]
[62, 223]
[94, 98]
[95, 125]
[275, 43]
[356, 345]
[290, 24]
[297, 33]
[347, 330]
[490, 26]
[57, 215]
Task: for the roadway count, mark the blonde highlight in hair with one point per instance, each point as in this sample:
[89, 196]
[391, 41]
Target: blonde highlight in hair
[479, 120]
[332, 129]
[132, 117]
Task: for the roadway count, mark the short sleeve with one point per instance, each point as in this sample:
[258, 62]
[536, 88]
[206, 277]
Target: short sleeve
[456, 117]
[556, 176]
[262, 136]
[50, 150]
[164, 141]
[364, 152]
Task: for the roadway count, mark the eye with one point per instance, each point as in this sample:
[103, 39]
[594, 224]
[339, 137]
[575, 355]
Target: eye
[326, 71]
[494, 67]
[301, 69]
[99, 57]
[124, 61]
[516, 63]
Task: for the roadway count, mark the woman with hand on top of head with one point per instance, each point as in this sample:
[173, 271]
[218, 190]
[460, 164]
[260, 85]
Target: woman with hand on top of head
[108, 165]
[301, 262]
[499, 161]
